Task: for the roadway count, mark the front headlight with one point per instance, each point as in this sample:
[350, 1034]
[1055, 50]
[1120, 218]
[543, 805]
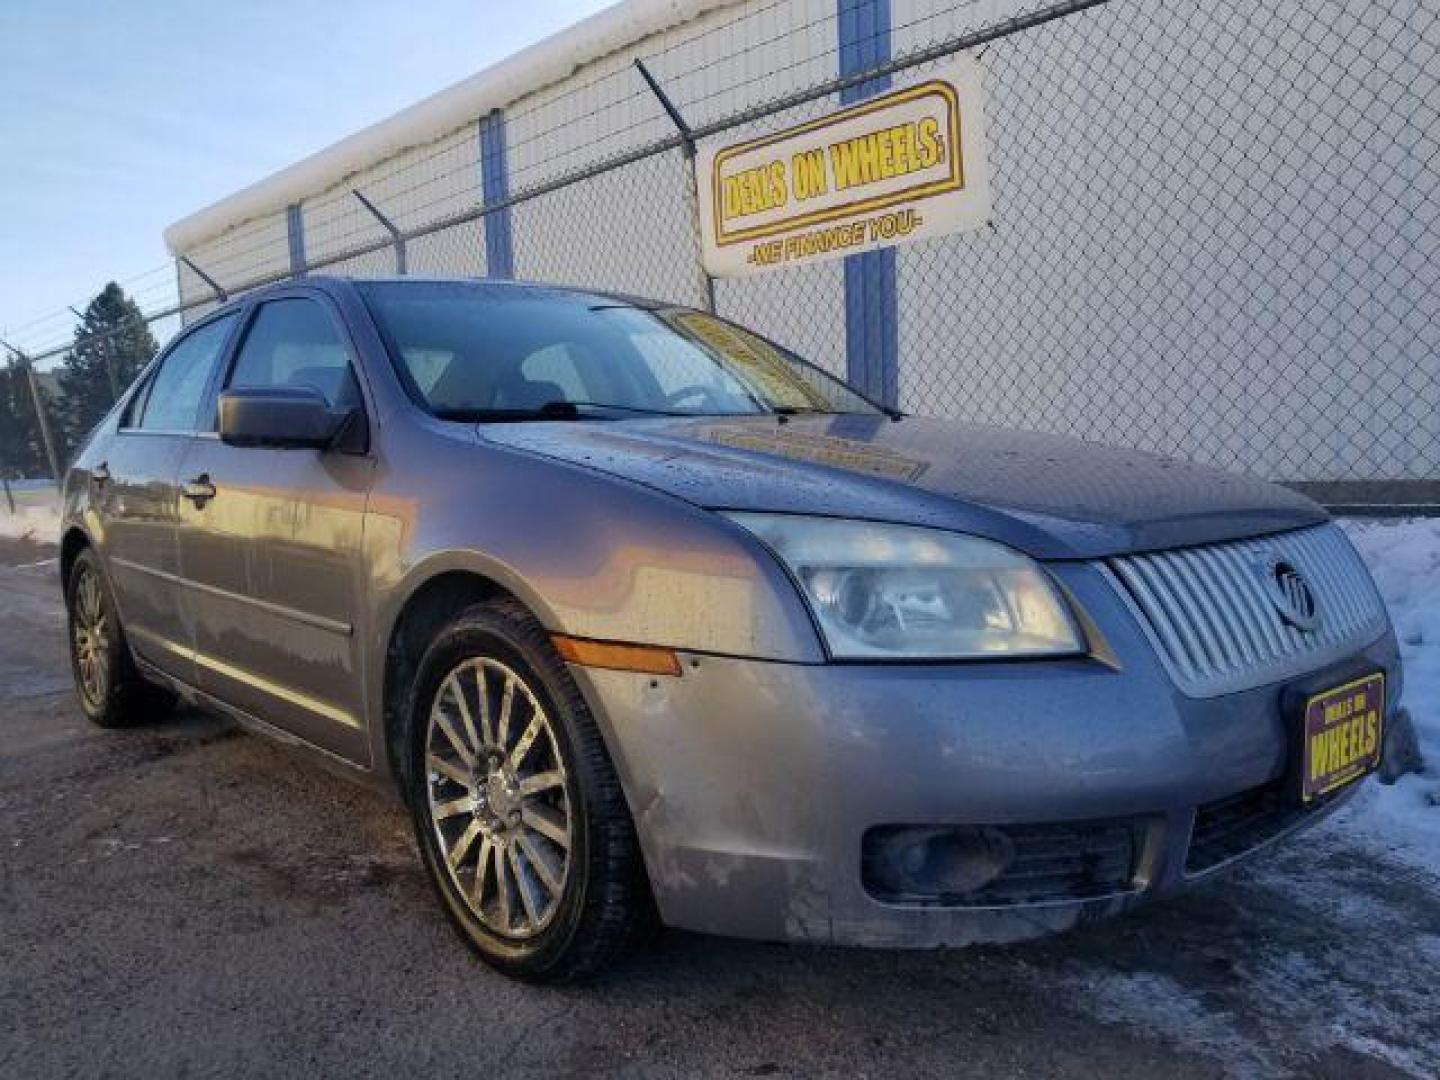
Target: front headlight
[901, 592]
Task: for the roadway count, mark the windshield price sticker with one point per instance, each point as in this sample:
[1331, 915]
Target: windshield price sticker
[756, 361]
[906, 165]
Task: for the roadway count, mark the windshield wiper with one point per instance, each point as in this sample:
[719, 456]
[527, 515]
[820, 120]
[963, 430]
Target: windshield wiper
[576, 406]
[552, 410]
[485, 416]
[811, 410]
[808, 410]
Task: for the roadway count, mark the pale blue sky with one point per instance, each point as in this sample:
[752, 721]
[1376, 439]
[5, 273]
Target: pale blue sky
[117, 118]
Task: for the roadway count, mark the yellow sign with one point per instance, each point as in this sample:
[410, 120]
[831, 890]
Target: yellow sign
[905, 165]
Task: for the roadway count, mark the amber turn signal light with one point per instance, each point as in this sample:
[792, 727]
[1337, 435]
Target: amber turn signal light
[608, 654]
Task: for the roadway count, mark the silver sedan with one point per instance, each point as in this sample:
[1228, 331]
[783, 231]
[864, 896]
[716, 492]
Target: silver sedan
[642, 616]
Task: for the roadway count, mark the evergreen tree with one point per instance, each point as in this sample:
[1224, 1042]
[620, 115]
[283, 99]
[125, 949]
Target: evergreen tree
[112, 344]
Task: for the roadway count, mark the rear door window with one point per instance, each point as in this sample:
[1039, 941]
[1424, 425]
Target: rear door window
[172, 398]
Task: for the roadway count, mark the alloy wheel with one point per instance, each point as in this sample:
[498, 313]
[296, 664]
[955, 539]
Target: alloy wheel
[499, 797]
[90, 630]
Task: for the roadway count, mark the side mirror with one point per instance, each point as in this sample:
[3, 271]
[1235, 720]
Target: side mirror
[279, 416]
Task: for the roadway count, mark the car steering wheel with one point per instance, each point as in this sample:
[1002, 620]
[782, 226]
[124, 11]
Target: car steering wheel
[694, 390]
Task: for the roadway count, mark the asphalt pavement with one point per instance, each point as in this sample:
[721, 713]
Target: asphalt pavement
[190, 900]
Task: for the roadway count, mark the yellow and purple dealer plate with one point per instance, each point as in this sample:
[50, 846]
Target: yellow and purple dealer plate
[1341, 736]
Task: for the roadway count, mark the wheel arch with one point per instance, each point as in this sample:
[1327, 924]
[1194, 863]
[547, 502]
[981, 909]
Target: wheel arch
[72, 543]
[430, 601]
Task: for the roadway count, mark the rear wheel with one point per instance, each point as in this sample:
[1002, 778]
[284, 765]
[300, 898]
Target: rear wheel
[516, 805]
[112, 692]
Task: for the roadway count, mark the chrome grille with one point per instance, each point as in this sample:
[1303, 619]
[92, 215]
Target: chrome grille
[1209, 610]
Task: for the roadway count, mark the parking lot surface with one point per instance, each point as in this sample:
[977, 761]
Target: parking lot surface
[187, 899]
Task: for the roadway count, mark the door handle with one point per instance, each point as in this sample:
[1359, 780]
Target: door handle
[100, 474]
[200, 490]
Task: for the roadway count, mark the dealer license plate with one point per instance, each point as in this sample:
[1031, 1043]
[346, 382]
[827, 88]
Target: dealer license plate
[1341, 736]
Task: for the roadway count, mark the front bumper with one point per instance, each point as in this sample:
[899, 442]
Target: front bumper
[753, 784]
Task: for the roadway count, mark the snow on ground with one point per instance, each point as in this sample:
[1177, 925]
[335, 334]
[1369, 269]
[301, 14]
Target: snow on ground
[37, 512]
[1404, 557]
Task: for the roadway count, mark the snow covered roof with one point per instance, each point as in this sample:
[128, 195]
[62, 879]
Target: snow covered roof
[542, 64]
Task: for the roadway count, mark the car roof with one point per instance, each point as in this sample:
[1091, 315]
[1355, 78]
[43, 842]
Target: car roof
[334, 283]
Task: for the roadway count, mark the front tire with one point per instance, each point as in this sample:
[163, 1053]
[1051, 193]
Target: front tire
[112, 692]
[517, 810]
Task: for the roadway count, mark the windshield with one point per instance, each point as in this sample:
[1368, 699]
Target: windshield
[484, 351]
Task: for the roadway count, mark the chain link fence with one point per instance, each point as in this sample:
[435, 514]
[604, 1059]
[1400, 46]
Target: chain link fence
[1214, 232]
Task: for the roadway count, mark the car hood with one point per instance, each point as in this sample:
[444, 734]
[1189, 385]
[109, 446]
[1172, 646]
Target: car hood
[1049, 496]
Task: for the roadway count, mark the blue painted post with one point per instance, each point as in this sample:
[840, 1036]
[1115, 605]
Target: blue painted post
[871, 319]
[495, 188]
[295, 230]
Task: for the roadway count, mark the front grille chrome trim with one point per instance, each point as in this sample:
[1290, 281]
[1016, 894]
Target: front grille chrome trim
[1208, 615]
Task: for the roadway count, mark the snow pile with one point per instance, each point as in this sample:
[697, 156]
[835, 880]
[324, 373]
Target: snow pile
[1404, 557]
[36, 517]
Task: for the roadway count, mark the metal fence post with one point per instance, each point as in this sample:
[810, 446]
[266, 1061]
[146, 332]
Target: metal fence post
[220, 294]
[692, 194]
[41, 419]
[396, 235]
[44, 421]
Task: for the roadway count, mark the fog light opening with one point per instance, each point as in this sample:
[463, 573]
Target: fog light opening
[937, 863]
